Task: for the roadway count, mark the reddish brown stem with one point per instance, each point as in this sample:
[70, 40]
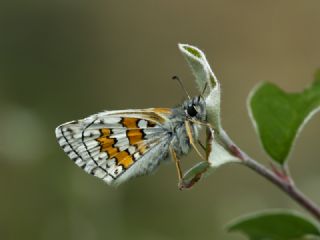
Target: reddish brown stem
[286, 183]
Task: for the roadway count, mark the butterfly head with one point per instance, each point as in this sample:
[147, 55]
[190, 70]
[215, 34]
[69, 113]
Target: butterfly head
[195, 108]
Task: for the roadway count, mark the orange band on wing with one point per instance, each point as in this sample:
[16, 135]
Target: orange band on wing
[105, 132]
[130, 122]
[142, 148]
[106, 143]
[134, 135]
[124, 159]
[163, 110]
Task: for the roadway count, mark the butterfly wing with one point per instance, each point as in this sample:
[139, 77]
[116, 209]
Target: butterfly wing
[117, 145]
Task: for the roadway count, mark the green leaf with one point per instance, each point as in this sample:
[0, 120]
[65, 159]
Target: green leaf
[219, 154]
[199, 66]
[279, 116]
[275, 225]
[194, 174]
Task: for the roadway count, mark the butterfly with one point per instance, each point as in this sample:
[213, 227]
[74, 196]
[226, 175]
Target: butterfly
[116, 146]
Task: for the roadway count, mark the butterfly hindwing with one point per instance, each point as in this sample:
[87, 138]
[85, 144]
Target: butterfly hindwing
[116, 145]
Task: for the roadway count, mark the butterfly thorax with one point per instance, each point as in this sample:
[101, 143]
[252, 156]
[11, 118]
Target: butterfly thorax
[190, 112]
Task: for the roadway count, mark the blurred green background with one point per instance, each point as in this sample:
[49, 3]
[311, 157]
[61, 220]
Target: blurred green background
[63, 60]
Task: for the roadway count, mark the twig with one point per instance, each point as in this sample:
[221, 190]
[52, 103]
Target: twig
[284, 182]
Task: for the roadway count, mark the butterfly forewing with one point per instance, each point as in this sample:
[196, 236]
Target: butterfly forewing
[110, 143]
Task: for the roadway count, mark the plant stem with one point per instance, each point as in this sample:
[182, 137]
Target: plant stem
[285, 183]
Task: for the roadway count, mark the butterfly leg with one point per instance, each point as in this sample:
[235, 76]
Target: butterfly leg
[201, 145]
[196, 172]
[202, 123]
[189, 133]
[177, 162]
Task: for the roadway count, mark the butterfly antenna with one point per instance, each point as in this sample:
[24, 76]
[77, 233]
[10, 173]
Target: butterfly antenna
[204, 89]
[181, 85]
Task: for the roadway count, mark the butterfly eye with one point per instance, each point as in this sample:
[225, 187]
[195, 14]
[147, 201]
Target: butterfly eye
[192, 112]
